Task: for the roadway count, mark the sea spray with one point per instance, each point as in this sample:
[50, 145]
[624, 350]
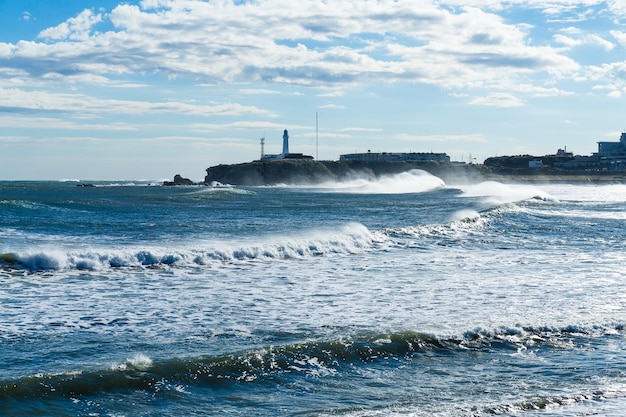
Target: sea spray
[499, 193]
[414, 181]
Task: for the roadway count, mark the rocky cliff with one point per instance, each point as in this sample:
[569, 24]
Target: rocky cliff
[297, 171]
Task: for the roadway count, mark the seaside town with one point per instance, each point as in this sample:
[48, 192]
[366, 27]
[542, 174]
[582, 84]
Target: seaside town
[607, 164]
[611, 156]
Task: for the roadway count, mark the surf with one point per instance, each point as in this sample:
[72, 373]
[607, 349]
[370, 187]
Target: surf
[312, 359]
[413, 181]
[348, 239]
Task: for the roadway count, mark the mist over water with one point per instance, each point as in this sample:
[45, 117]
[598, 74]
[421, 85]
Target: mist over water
[401, 296]
[414, 181]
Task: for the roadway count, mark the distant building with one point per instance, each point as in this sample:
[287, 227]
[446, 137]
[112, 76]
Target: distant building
[562, 153]
[611, 156]
[613, 150]
[285, 154]
[371, 157]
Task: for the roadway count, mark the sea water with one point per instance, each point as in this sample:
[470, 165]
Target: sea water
[403, 296]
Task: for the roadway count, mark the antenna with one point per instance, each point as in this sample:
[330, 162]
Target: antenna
[317, 154]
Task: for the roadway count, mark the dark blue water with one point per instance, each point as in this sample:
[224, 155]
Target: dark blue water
[404, 296]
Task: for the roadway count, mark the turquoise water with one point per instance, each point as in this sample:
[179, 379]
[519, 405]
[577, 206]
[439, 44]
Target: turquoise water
[401, 296]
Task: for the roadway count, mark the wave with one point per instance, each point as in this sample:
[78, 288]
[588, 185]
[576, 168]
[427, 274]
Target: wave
[601, 401]
[413, 181]
[350, 239]
[500, 193]
[310, 359]
[461, 223]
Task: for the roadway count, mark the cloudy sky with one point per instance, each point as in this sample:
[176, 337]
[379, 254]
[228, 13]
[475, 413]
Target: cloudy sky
[111, 89]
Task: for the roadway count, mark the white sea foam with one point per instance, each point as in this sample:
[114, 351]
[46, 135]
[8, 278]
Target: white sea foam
[138, 362]
[350, 239]
[465, 214]
[499, 193]
[608, 193]
[414, 181]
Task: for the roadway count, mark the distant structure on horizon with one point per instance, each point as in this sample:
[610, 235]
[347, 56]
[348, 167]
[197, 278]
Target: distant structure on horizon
[285, 154]
[373, 157]
[613, 150]
[611, 156]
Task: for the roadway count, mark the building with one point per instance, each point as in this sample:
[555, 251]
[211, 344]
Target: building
[613, 150]
[372, 157]
[285, 154]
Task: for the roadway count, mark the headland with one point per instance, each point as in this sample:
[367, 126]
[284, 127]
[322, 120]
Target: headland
[302, 172]
[608, 165]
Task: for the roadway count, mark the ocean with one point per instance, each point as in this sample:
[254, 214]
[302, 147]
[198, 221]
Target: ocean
[398, 296]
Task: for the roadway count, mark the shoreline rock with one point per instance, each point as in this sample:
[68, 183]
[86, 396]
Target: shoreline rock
[179, 180]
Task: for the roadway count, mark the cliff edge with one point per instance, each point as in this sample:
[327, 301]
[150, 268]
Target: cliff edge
[298, 171]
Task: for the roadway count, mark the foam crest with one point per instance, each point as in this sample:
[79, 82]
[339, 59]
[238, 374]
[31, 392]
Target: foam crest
[604, 193]
[499, 193]
[139, 362]
[350, 239]
[414, 181]
[465, 215]
[314, 358]
[461, 223]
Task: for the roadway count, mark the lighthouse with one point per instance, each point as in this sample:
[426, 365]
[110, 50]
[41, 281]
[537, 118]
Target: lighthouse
[285, 155]
[285, 143]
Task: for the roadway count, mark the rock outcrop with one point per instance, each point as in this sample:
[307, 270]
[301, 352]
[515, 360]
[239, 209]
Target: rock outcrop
[295, 171]
[179, 180]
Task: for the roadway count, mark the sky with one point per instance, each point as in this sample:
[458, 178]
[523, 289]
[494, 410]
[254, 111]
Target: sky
[144, 90]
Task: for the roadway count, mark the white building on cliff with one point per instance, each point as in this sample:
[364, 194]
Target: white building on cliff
[285, 154]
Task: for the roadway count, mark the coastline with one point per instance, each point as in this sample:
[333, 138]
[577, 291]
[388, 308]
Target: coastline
[298, 172]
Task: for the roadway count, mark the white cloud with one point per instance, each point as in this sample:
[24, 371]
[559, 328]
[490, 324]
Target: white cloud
[53, 123]
[312, 43]
[468, 50]
[609, 76]
[498, 100]
[572, 37]
[19, 100]
[332, 94]
[619, 36]
[474, 138]
[76, 28]
[332, 106]
[617, 7]
[258, 91]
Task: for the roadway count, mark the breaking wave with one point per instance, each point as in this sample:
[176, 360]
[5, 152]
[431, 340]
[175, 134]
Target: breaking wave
[318, 359]
[499, 193]
[414, 181]
[350, 239]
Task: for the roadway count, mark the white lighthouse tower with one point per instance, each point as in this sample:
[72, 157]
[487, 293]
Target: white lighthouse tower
[285, 143]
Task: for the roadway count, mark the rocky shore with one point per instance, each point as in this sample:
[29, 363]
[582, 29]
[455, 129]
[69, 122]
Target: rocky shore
[297, 171]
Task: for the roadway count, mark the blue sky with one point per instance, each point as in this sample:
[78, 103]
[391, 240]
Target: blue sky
[104, 89]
